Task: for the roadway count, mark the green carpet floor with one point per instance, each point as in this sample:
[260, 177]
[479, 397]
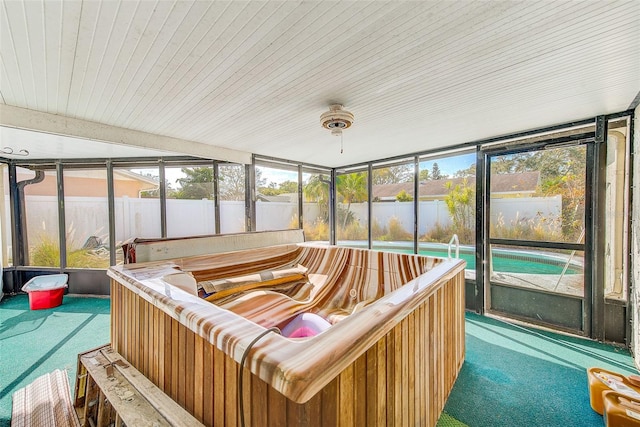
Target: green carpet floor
[512, 376]
[33, 343]
[515, 376]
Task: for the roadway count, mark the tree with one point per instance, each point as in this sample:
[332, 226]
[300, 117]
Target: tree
[562, 171]
[436, 174]
[288, 187]
[466, 173]
[317, 190]
[260, 181]
[460, 203]
[392, 174]
[275, 189]
[352, 188]
[424, 175]
[505, 164]
[231, 182]
[270, 189]
[403, 196]
[196, 184]
[155, 193]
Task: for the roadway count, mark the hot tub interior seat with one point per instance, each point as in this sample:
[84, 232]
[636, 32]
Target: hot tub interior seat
[274, 306]
[340, 281]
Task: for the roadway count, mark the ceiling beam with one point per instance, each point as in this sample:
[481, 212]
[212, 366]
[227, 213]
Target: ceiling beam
[23, 118]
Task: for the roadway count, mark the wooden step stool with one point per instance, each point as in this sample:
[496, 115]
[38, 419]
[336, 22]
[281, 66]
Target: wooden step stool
[109, 392]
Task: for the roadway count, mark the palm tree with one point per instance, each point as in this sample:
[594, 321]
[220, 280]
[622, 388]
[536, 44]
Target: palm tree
[353, 189]
[317, 190]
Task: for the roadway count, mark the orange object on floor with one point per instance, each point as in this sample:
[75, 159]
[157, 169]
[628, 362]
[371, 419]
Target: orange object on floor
[620, 410]
[601, 380]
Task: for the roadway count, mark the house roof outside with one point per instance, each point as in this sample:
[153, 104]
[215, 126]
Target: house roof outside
[283, 198]
[511, 183]
[123, 174]
[503, 184]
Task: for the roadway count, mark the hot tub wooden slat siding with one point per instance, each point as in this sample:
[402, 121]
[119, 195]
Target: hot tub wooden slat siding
[402, 379]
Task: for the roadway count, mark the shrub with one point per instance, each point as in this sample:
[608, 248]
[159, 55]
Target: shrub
[460, 203]
[377, 231]
[344, 217]
[47, 254]
[397, 231]
[539, 228]
[353, 231]
[441, 234]
[403, 196]
[317, 230]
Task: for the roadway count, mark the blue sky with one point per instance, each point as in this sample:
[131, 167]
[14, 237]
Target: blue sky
[450, 165]
[447, 165]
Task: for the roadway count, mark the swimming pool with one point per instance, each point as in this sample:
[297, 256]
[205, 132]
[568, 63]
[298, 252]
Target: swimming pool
[514, 261]
[504, 260]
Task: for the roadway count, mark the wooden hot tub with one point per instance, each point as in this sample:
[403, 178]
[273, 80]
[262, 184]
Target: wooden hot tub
[390, 357]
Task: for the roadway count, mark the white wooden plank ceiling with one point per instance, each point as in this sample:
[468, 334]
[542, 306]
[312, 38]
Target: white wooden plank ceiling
[16, 143]
[255, 76]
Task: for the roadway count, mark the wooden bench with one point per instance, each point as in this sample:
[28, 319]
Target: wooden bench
[109, 391]
[45, 402]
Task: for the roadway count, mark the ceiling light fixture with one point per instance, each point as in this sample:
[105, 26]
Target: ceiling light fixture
[336, 119]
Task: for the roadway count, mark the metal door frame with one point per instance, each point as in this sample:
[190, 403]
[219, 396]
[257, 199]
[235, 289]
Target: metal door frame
[593, 298]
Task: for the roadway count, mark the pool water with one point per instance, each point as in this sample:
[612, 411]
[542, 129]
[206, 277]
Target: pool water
[503, 261]
[513, 263]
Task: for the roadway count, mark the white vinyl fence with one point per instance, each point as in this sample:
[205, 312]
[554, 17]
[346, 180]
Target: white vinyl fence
[526, 209]
[134, 217]
[232, 218]
[276, 215]
[137, 217]
[88, 216]
[433, 212]
[190, 217]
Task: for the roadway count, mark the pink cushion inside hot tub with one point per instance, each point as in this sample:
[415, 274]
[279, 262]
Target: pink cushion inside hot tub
[305, 325]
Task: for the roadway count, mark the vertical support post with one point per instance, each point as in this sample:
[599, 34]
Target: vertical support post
[369, 202]
[20, 215]
[249, 195]
[595, 239]
[19, 239]
[589, 261]
[62, 226]
[216, 195]
[3, 222]
[482, 219]
[111, 201]
[416, 202]
[629, 312]
[332, 208]
[300, 200]
[163, 199]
